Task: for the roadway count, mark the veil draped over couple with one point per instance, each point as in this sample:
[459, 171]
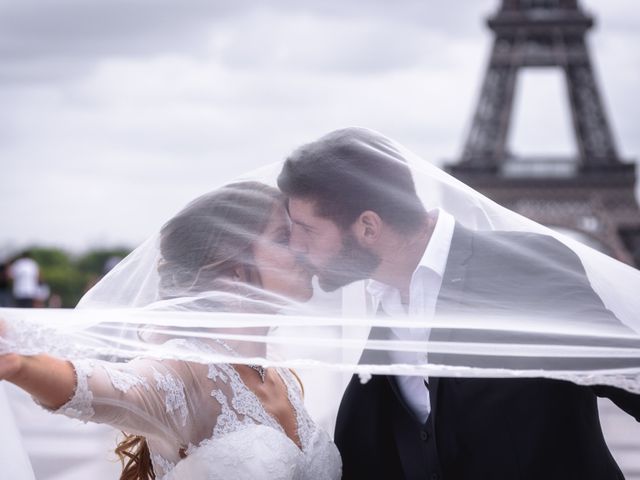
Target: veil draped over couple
[352, 312]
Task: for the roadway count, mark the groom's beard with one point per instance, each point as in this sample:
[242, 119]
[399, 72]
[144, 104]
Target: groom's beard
[352, 263]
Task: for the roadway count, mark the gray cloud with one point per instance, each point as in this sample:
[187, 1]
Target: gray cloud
[44, 41]
[123, 111]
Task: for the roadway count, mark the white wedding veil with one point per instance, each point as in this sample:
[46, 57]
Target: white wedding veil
[515, 298]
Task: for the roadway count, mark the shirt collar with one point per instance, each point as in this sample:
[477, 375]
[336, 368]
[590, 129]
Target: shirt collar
[437, 251]
[435, 254]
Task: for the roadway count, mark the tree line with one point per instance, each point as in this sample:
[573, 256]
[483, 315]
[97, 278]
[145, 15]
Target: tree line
[70, 276]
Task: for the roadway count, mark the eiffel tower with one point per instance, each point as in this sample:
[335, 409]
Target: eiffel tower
[593, 193]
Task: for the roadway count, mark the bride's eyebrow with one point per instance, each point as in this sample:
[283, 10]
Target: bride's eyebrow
[281, 230]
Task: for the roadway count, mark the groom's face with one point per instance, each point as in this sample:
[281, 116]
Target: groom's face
[333, 254]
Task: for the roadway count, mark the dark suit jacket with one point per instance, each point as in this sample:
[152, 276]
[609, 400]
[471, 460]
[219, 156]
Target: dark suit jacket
[490, 428]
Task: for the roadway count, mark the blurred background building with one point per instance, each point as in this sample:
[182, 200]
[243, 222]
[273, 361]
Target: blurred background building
[589, 196]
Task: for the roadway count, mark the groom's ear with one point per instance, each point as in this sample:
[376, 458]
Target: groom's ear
[367, 227]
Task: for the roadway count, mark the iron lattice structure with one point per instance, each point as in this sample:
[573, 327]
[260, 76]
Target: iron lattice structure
[593, 193]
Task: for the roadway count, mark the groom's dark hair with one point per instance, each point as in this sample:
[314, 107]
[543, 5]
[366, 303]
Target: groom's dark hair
[352, 170]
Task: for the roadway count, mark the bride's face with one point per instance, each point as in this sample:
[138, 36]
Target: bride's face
[280, 272]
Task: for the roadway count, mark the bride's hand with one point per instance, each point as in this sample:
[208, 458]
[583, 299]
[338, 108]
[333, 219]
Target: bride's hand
[48, 379]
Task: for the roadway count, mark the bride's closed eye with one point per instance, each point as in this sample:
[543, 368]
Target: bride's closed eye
[282, 237]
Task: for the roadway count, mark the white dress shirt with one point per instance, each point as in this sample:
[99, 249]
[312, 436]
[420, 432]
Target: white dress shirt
[423, 294]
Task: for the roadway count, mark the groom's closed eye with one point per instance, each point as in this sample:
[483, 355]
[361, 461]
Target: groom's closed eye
[305, 227]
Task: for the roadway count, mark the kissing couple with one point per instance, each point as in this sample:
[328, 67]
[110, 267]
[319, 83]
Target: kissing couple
[463, 289]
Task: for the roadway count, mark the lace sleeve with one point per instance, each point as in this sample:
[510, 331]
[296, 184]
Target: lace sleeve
[146, 397]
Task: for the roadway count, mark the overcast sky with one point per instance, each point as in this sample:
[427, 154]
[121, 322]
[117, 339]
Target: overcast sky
[115, 114]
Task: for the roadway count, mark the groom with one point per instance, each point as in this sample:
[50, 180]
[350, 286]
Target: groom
[355, 215]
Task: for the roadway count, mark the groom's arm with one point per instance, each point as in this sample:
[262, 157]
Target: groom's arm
[590, 309]
[627, 401]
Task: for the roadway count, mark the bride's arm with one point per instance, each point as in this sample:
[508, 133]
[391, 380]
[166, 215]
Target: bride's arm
[51, 381]
[143, 396]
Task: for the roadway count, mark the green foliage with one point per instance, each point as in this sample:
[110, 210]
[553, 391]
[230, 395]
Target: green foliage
[50, 257]
[70, 277]
[95, 260]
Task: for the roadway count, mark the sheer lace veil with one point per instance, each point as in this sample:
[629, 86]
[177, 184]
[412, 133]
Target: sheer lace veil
[513, 298]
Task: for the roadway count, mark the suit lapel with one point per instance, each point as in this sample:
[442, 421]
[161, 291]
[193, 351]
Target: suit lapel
[455, 273]
[372, 357]
[451, 293]
[393, 383]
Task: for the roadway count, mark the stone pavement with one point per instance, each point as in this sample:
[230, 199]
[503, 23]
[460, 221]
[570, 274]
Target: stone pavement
[623, 437]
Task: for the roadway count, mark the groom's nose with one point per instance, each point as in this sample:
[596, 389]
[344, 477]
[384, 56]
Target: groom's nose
[296, 241]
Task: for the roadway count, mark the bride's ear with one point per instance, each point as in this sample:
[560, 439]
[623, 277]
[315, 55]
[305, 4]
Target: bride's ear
[367, 227]
[239, 274]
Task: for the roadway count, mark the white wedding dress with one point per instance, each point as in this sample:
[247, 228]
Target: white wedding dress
[201, 421]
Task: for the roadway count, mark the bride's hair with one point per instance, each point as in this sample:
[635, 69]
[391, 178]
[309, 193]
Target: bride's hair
[201, 247]
[135, 457]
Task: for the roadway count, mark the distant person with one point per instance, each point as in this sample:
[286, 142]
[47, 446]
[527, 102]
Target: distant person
[5, 286]
[25, 274]
[55, 301]
[42, 295]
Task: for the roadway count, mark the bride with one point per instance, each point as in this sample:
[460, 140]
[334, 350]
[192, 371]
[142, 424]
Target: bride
[227, 251]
